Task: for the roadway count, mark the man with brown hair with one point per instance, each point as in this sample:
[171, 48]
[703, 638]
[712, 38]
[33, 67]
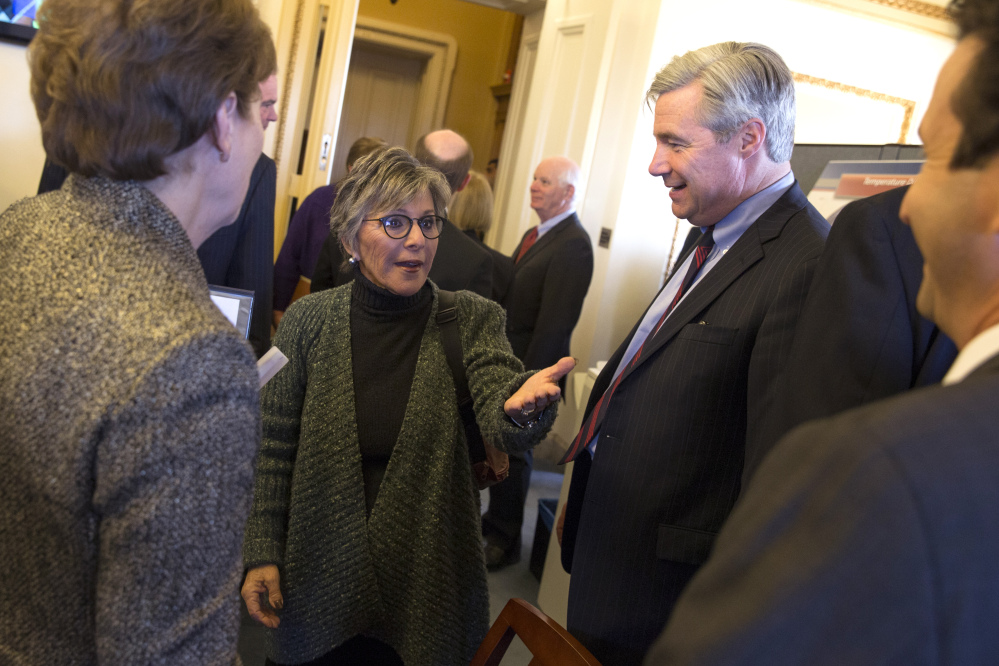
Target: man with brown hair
[873, 537]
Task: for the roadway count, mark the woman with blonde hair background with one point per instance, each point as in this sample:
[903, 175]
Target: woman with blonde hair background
[471, 211]
[130, 412]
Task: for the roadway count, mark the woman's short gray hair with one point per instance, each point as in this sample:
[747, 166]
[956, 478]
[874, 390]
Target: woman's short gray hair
[383, 180]
[741, 80]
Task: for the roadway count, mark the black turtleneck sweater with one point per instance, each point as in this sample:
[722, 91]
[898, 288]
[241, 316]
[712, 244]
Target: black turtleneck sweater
[386, 331]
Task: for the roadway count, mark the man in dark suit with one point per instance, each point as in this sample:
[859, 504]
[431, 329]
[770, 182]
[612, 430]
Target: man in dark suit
[471, 210]
[873, 537]
[681, 403]
[241, 255]
[860, 338]
[552, 271]
[460, 263]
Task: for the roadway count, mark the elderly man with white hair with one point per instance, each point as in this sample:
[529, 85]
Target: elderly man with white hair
[552, 271]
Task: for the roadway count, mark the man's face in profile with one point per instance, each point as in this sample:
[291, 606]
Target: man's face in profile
[952, 212]
[268, 100]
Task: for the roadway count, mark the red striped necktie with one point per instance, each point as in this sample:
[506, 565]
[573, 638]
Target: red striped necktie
[529, 239]
[592, 424]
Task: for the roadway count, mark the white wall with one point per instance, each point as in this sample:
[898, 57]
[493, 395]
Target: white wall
[21, 154]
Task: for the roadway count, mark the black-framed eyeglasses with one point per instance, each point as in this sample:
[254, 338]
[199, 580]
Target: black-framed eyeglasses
[398, 226]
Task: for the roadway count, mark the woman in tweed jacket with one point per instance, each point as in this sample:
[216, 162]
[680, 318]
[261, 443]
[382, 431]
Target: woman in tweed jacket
[365, 533]
[128, 404]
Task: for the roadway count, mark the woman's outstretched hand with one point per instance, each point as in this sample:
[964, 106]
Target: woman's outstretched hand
[539, 391]
[260, 582]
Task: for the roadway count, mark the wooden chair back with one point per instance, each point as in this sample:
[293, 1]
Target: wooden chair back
[549, 643]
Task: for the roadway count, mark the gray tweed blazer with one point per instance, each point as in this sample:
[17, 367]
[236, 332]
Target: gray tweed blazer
[129, 420]
[413, 574]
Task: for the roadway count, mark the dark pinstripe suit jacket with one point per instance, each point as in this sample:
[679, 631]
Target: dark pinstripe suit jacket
[241, 255]
[643, 515]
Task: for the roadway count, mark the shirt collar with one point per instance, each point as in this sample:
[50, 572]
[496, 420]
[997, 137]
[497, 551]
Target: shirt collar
[982, 347]
[547, 225]
[730, 228]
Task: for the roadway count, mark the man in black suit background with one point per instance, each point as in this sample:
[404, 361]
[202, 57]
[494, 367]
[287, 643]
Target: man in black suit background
[552, 271]
[873, 537]
[241, 255]
[683, 401]
[460, 263]
[860, 338]
[471, 210]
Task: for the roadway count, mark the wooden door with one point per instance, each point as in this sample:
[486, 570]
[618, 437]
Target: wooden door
[380, 100]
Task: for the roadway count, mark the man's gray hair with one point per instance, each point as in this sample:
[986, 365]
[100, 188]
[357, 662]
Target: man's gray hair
[741, 80]
[383, 180]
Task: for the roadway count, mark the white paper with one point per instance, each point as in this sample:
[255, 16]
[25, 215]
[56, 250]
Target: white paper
[269, 364]
[228, 306]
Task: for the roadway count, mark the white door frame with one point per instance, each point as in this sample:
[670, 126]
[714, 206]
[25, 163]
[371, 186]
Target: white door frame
[298, 43]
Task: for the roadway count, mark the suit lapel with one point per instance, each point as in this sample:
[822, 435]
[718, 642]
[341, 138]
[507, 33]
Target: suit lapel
[744, 253]
[544, 241]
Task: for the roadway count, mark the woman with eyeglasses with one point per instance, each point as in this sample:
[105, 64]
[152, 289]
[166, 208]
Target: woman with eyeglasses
[363, 545]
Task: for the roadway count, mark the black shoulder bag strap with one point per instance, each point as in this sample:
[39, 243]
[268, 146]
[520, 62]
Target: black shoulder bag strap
[447, 320]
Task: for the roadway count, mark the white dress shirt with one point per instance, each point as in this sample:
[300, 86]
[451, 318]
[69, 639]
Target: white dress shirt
[982, 347]
[548, 224]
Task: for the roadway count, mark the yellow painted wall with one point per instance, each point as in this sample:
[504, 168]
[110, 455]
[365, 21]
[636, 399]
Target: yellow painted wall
[20, 136]
[483, 35]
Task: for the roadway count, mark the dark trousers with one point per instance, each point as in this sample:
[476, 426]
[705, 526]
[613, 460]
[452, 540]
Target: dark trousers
[502, 523]
[358, 651]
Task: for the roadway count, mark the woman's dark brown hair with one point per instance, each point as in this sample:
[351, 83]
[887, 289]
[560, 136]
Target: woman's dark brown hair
[119, 85]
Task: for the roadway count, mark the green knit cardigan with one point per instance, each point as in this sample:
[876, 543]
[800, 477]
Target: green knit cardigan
[413, 574]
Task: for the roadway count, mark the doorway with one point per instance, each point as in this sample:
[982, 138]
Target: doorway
[397, 86]
[380, 100]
